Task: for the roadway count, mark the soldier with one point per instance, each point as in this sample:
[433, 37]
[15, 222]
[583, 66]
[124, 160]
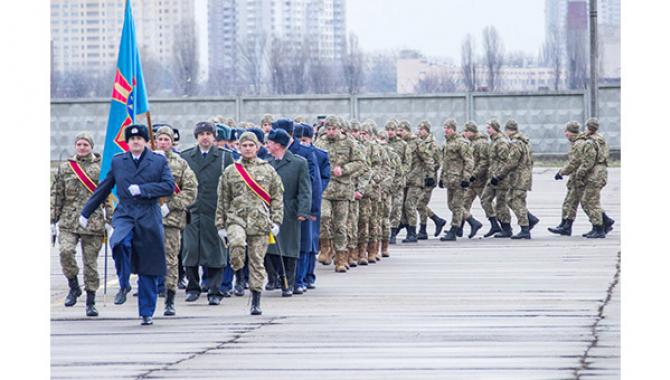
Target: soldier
[222, 135]
[424, 211]
[480, 155]
[357, 252]
[519, 168]
[69, 192]
[345, 165]
[266, 123]
[173, 211]
[419, 176]
[399, 146]
[390, 173]
[248, 208]
[368, 207]
[598, 178]
[497, 186]
[456, 173]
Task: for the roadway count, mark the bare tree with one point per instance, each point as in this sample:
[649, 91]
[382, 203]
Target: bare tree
[469, 63]
[381, 74]
[253, 60]
[352, 66]
[494, 52]
[185, 59]
[321, 76]
[552, 56]
[436, 82]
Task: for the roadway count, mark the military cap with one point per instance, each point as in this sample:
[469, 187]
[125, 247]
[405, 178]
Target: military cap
[136, 130]
[239, 132]
[391, 125]
[267, 118]
[260, 135]
[84, 136]
[222, 132]
[470, 126]
[511, 125]
[592, 124]
[231, 122]
[493, 123]
[331, 121]
[299, 119]
[356, 125]
[165, 130]
[572, 126]
[424, 124]
[449, 123]
[307, 130]
[345, 124]
[249, 136]
[404, 124]
[285, 124]
[298, 130]
[279, 136]
[204, 126]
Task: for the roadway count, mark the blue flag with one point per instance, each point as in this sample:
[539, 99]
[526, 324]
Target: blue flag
[129, 96]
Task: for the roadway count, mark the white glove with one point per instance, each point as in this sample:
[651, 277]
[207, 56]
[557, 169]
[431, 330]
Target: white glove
[275, 229]
[83, 221]
[223, 234]
[109, 229]
[53, 229]
[164, 209]
[134, 190]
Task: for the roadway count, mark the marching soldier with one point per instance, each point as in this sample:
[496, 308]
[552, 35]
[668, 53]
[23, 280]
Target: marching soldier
[248, 208]
[368, 208]
[424, 211]
[69, 192]
[390, 173]
[399, 146]
[598, 178]
[357, 252]
[480, 156]
[497, 186]
[456, 173]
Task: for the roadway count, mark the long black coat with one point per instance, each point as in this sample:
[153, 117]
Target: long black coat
[294, 175]
[202, 245]
[141, 214]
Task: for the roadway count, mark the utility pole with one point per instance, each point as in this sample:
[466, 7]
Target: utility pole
[593, 32]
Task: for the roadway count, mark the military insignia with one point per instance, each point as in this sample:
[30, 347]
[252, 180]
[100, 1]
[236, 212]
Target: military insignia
[134, 130]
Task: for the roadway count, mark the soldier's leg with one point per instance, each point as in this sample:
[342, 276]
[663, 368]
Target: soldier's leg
[458, 206]
[502, 209]
[517, 202]
[326, 232]
[396, 209]
[90, 246]
[237, 241]
[340, 213]
[422, 206]
[571, 202]
[403, 213]
[488, 194]
[364, 211]
[411, 202]
[374, 233]
[352, 235]
[591, 205]
[468, 199]
[121, 254]
[172, 245]
[68, 249]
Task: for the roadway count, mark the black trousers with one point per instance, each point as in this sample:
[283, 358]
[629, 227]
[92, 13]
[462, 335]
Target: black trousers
[288, 269]
[180, 266]
[214, 277]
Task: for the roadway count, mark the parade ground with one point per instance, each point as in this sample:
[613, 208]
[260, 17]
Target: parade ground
[546, 308]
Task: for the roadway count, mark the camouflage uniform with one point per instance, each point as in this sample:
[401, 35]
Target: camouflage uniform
[361, 181]
[456, 170]
[424, 211]
[420, 169]
[480, 155]
[498, 156]
[378, 158]
[246, 218]
[68, 197]
[367, 202]
[399, 146]
[390, 172]
[597, 179]
[577, 169]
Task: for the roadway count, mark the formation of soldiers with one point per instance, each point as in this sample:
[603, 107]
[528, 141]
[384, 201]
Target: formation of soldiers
[367, 184]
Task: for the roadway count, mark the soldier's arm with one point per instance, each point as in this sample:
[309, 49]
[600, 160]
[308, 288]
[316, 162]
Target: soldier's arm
[426, 156]
[222, 204]
[588, 160]
[315, 184]
[188, 190]
[355, 165]
[573, 160]
[163, 188]
[512, 162]
[503, 152]
[468, 160]
[57, 196]
[100, 194]
[483, 163]
[277, 199]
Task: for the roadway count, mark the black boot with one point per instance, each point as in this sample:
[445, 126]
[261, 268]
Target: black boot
[565, 228]
[182, 283]
[450, 235]
[439, 224]
[120, 297]
[90, 304]
[607, 223]
[256, 303]
[169, 303]
[272, 283]
[239, 283]
[475, 225]
[557, 229]
[286, 288]
[593, 229]
[532, 221]
[524, 234]
[459, 231]
[74, 292]
[394, 232]
[411, 235]
[495, 227]
[402, 226]
[422, 235]
[598, 232]
[506, 231]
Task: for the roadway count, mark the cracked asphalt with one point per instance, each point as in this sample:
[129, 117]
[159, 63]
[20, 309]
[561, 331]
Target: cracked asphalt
[548, 308]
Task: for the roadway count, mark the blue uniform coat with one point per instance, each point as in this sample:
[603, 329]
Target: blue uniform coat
[139, 215]
[306, 227]
[324, 168]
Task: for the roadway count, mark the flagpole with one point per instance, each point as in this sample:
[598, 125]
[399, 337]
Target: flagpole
[151, 131]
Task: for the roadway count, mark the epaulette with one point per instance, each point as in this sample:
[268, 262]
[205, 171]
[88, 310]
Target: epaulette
[225, 149]
[118, 154]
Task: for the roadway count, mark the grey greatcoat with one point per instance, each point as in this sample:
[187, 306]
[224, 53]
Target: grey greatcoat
[202, 246]
[294, 174]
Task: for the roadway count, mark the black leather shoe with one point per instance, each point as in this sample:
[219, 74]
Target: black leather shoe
[239, 283]
[120, 297]
[495, 227]
[192, 296]
[169, 304]
[450, 235]
[524, 234]
[181, 284]
[214, 299]
[532, 221]
[422, 234]
[146, 321]
[256, 303]
[506, 231]
[286, 292]
[298, 290]
[227, 293]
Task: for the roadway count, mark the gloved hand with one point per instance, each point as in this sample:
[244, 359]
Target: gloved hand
[558, 176]
[473, 179]
[429, 182]
[164, 210]
[109, 229]
[223, 234]
[53, 229]
[440, 184]
[83, 221]
[134, 190]
[275, 229]
[494, 180]
[465, 184]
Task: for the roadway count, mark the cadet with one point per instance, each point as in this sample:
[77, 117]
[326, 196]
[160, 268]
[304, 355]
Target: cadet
[69, 192]
[390, 173]
[456, 173]
[480, 155]
[597, 179]
[424, 211]
[496, 187]
[248, 208]
[519, 168]
[266, 123]
[399, 146]
[357, 250]
[173, 211]
[142, 177]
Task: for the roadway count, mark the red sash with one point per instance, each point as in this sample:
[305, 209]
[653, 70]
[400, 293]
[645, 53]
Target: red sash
[252, 184]
[177, 190]
[82, 176]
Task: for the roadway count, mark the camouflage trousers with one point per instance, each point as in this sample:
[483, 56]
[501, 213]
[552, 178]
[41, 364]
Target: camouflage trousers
[591, 204]
[470, 194]
[424, 211]
[257, 246]
[375, 221]
[455, 203]
[334, 215]
[517, 202]
[172, 245]
[500, 196]
[90, 247]
[412, 197]
[364, 215]
[397, 199]
[386, 206]
[352, 224]
[571, 202]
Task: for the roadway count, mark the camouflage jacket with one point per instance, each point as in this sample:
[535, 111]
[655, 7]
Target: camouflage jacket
[400, 147]
[374, 153]
[437, 155]
[480, 155]
[188, 190]
[598, 177]
[69, 195]
[238, 204]
[342, 152]
[581, 160]
[364, 176]
[458, 162]
[421, 162]
[498, 156]
[393, 180]
[519, 166]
